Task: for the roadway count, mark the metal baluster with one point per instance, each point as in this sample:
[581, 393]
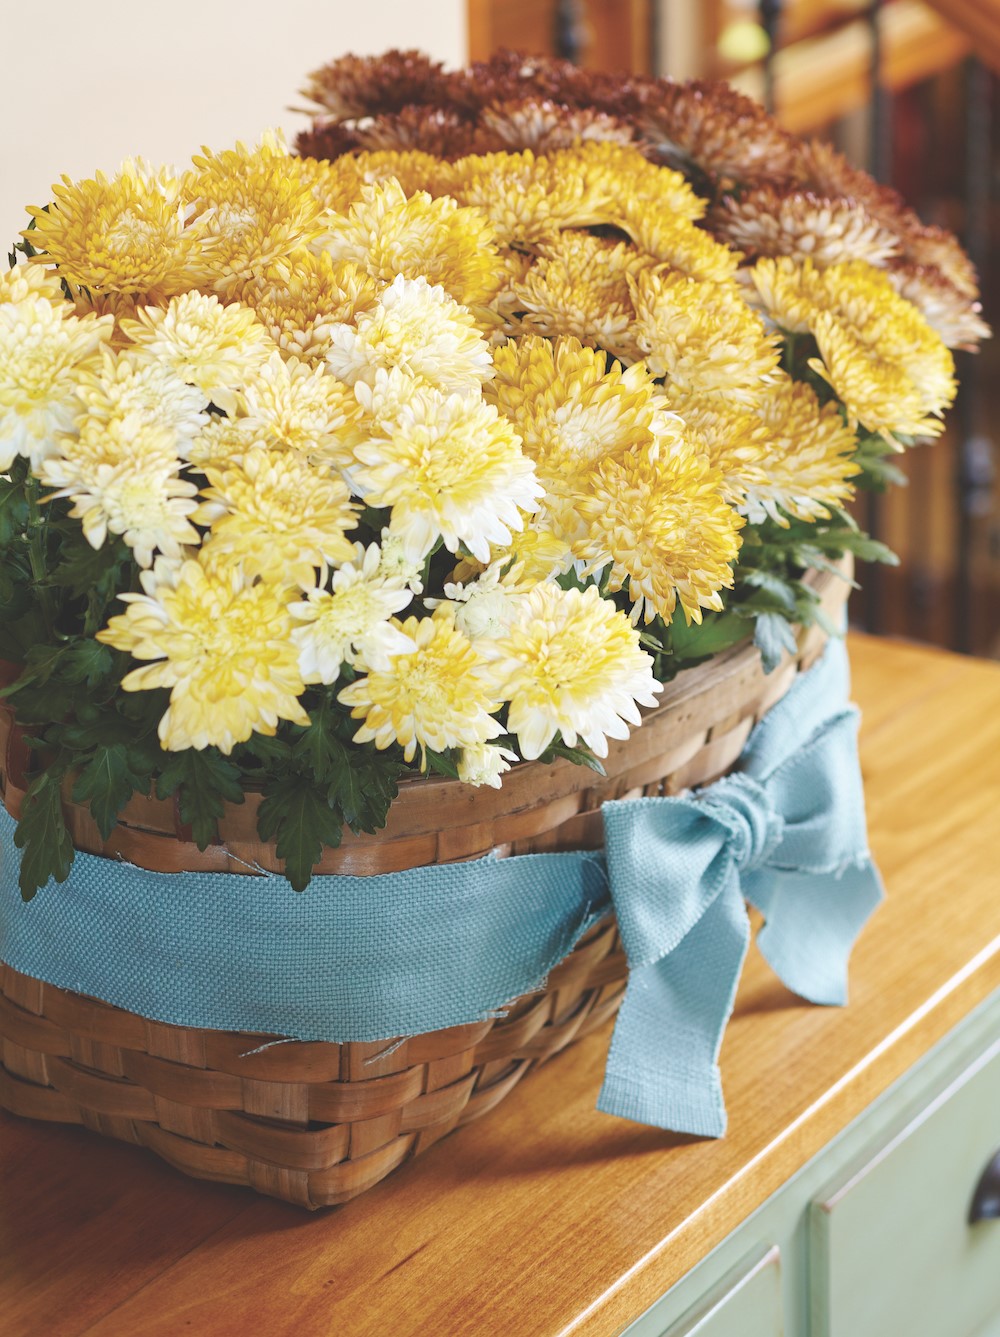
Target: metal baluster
[880, 166]
[571, 26]
[770, 21]
[975, 465]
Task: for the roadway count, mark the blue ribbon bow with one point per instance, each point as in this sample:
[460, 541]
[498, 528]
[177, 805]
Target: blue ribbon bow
[786, 833]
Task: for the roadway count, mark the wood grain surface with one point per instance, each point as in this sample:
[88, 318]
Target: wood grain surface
[546, 1217]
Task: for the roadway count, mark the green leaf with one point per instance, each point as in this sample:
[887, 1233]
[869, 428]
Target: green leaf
[773, 635]
[42, 836]
[106, 783]
[777, 586]
[579, 756]
[363, 787]
[86, 661]
[717, 631]
[317, 748]
[13, 510]
[301, 822]
[442, 764]
[204, 782]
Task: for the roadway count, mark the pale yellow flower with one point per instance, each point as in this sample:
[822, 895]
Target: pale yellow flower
[129, 486]
[529, 197]
[666, 237]
[430, 697]
[388, 234]
[703, 337]
[131, 233]
[43, 350]
[301, 298]
[483, 607]
[418, 328]
[658, 518]
[220, 442]
[484, 764]
[133, 388]
[215, 347]
[278, 514]
[303, 406]
[571, 665]
[449, 467]
[222, 644]
[351, 623]
[31, 281]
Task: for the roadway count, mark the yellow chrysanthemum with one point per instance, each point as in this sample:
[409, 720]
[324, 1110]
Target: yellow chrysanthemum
[303, 406]
[253, 207]
[569, 406]
[340, 183]
[670, 238]
[787, 456]
[703, 337]
[658, 517]
[144, 392]
[299, 299]
[430, 697]
[529, 197]
[354, 622]
[571, 664]
[278, 514]
[788, 290]
[450, 467]
[130, 233]
[222, 645]
[123, 477]
[417, 327]
[625, 177]
[387, 234]
[215, 347]
[43, 351]
[534, 554]
[579, 285]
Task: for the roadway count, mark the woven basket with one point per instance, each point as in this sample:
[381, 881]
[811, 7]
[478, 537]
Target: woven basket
[319, 1123]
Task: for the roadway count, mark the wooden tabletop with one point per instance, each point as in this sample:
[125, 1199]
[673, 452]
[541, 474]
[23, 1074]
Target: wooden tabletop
[546, 1217]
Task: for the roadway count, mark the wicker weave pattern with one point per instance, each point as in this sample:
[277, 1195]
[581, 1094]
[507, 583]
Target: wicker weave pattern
[314, 1123]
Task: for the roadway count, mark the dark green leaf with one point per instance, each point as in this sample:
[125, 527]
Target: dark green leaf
[203, 781]
[86, 661]
[301, 822]
[41, 835]
[106, 783]
[317, 747]
[579, 756]
[442, 764]
[717, 631]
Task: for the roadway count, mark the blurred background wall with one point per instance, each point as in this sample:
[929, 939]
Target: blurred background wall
[91, 84]
[907, 88]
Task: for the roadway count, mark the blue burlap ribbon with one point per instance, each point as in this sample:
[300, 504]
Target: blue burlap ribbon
[786, 833]
[373, 958]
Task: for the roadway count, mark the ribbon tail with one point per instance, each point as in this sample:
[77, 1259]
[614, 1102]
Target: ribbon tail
[663, 1064]
[812, 923]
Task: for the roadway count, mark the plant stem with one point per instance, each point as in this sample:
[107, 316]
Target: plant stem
[37, 524]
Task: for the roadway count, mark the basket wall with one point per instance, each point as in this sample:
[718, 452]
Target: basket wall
[319, 1123]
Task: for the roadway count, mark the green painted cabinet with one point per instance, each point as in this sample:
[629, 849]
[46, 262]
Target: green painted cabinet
[746, 1300]
[891, 1248]
[871, 1238]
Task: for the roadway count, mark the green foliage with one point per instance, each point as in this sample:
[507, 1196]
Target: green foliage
[106, 782]
[300, 819]
[42, 836]
[203, 782]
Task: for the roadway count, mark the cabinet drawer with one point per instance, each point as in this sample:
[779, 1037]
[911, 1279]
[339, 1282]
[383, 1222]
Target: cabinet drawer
[745, 1303]
[891, 1250]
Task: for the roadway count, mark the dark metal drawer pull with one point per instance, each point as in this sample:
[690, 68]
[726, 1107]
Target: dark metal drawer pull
[986, 1199]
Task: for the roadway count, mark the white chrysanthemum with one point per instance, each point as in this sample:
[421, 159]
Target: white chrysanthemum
[130, 387]
[42, 349]
[135, 491]
[396, 566]
[303, 406]
[420, 329]
[215, 347]
[352, 622]
[484, 764]
[485, 607]
[24, 281]
[571, 665]
[450, 467]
